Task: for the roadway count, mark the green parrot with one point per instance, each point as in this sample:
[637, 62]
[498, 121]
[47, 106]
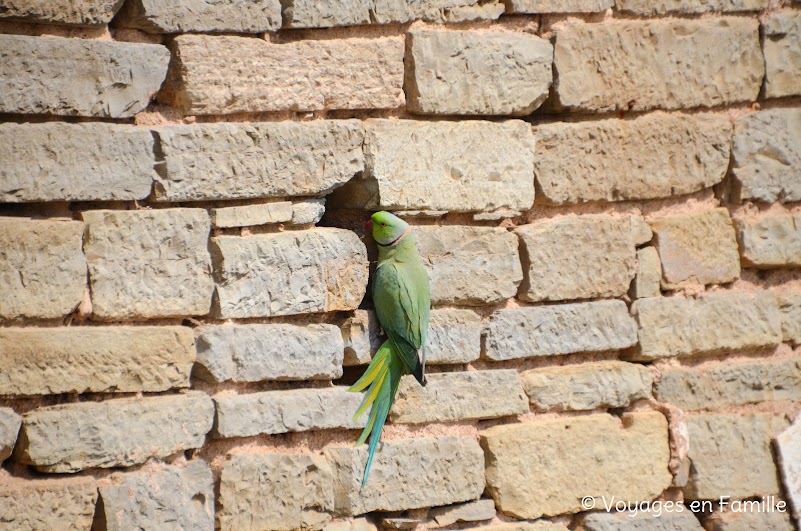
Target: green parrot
[403, 304]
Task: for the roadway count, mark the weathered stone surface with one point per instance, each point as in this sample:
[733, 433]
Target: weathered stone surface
[655, 155]
[649, 274]
[273, 412]
[527, 463]
[696, 248]
[316, 270]
[675, 520]
[233, 160]
[458, 166]
[731, 455]
[717, 322]
[71, 162]
[783, 54]
[121, 432]
[576, 257]
[731, 384]
[251, 215]
[308, 212]
[476, 511]
[9, 429]
[148, 263]
[587, 386]
[452, 471]
[256, 352]
[790, 310]
[355, 524]
[543, 525]
[559, 329]
[456, 72]
[750, 520]
[649, 8]
[769, 242]
[78, 359]
[72, 12]
[206, 77]
[460, 396]
[159, 497]
[360, 332]
[469, 265]
[42, 268]
[558, 6]
[788, 448]
[44, 505]
[767, 156]
[688, 63]
[106, 79]
[164, 16]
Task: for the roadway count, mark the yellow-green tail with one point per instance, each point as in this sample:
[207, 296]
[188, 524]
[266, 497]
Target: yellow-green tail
[383, 377]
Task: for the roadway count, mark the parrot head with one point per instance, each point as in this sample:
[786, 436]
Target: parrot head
[387, 228]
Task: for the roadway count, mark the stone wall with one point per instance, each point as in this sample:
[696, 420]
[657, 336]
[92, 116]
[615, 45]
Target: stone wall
[606, 194]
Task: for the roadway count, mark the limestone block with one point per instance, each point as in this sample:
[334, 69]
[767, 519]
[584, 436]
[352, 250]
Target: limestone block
[576, 257]
[456, 72]
[731, 455]
[673, 520]
[748, 520]
[627, 460]
[159, 497]
[288, 273]
[70, 12]
[361, 334]
[79, 359]
[107, 79]
[788, 448]
[730, 384]
[451, 472]
[767, 156]
[783, 54]
[476, 511]
[274, 412]
[271, 159]
[235, 16]
[655, 155]
[460, 396]
[559, 329]
[696, 248]
[148, 263]
[308, 212]
[770, 242]
[790, 310]
[9, 429]
[558, 6]
[650, 8]
[587, 386]
[251, 215]
[540, 525]
[71, 162]
[358, 73]
[649, 274]
[256, 352]
[47, 504]
[718, 322]
[461, 166]
[42, 268]
[354, 524]
[687, 64]
[121, 432]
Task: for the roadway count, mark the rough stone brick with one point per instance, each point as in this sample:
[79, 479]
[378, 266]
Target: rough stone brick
[696, 248]
[354, 524]
[277, 491]
[235, 161]
[148, 263]
[587, 386]
[543, 525]
[121, 432]
[256, 352]
[460, 396]
[558, 6]
[454, 166]
[361, 334]
[9, 429]
[159, 497]
[576, 257]
[790, 310]
[308, 212]
[79, 359]
[731, 455]
[273, 412]
[718, 322]
[236, 16]
[452, 471]
[527, 463]
[47, 504]
[107, 79]
[673, 520]
[649, 273]
[71, 12]
[559, 329]
[251, 215]
[788, 448]
[206, 76]
[687, 63]
[767, 156]
[476, 511]
[316, 270]
[656, 155]
[649, 8]
[72, 162]
[456, 72]
[42, 268]
[469, 265]
[769, 242]
[748, 520]
[783, 55]
[731, 384]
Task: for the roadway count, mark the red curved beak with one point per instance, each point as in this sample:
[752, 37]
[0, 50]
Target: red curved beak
[368, 227]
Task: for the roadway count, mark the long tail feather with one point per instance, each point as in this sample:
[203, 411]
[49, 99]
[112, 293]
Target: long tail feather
[372, 371]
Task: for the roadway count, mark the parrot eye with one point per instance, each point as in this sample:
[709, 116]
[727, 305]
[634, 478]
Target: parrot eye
[383, 224]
